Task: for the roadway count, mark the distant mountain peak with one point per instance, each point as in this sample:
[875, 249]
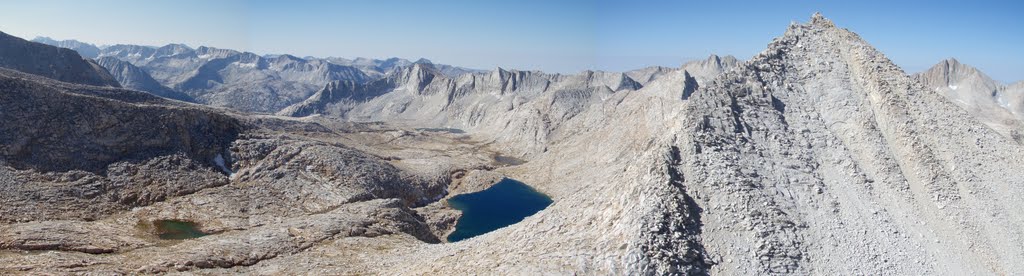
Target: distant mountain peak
[423, 61]
[84, 49]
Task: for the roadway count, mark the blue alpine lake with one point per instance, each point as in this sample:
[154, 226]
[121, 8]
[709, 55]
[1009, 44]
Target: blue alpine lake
[503, 204]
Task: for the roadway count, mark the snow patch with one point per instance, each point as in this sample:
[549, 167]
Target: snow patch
[219, 160]
[247, 65]
[953, 87]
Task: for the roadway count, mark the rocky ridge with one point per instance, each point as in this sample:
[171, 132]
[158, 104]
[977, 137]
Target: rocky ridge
[52, 62]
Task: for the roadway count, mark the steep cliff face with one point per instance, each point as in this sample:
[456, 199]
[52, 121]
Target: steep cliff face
[51, 62]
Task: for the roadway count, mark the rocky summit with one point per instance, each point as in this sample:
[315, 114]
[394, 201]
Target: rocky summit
[816, 156]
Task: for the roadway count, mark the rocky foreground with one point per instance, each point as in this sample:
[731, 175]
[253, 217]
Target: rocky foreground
[817, 156]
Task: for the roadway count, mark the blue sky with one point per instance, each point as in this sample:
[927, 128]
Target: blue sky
[559, 36]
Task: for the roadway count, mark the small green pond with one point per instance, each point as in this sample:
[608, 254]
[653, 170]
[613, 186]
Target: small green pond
[177, 230]
[503, 204]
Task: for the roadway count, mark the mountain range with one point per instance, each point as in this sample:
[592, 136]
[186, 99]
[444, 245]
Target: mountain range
[818, 155]
[238, 80]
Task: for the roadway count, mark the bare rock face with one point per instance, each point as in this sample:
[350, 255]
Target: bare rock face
[707, 69]
[999, 106]
[52, 62]
[69, 236]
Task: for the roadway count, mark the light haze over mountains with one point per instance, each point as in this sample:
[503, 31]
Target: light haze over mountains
[551, 36]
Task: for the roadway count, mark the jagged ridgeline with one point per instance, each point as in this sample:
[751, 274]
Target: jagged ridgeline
[816, 156]
[239, 80]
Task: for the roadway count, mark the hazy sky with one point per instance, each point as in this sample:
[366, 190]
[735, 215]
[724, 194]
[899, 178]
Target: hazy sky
[559, 36]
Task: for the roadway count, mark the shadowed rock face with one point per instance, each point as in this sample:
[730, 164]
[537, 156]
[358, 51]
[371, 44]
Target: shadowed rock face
[51, 62]
[88, 128]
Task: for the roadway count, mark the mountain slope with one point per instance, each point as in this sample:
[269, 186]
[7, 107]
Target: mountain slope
[51, 62]
[821, 156]
[132, 77]
[999, 106]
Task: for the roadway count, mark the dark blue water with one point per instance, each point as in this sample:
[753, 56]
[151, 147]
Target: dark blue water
[503, 204]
